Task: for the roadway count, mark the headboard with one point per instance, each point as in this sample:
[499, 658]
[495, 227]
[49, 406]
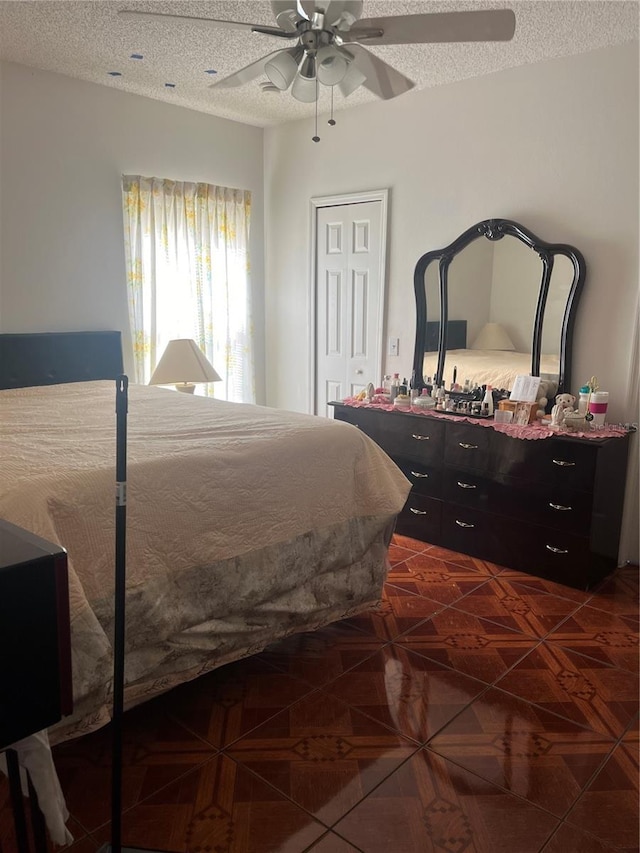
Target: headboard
[55, 358]
[456, 335]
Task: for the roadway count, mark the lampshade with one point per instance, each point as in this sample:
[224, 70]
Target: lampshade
[182, 364]
[493, 336]
[331, 66]
[283, 67]
[351, 81]
[304, 89]
[305, 86]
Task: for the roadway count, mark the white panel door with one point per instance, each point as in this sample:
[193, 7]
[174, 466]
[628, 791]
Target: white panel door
[349, 285]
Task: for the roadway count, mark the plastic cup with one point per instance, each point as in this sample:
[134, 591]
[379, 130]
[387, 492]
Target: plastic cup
[501, 416]
[598, 407]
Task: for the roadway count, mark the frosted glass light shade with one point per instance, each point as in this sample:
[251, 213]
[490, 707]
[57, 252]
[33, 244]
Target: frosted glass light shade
[351, 81]
[281, 69]
[331, 66]
[183, 363]
[493, 336]
[304, 89]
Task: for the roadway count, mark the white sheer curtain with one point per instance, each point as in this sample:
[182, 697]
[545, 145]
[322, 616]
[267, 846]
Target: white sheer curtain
[188, 271]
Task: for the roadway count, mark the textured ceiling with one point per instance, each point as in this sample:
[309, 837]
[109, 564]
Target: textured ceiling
[87, 40]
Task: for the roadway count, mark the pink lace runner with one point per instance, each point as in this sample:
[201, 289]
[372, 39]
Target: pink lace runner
[527, 431]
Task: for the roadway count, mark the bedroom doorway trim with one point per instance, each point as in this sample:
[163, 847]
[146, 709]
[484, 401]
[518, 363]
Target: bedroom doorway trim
[318, 204]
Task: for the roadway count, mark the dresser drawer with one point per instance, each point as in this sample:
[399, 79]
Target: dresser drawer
[545, 552]
[425, 479]
[540, 503]
[421, 518]
[413, 437]
[473, 532]
[557, 462]
[468, 446]
[365, 419]
[466, 488]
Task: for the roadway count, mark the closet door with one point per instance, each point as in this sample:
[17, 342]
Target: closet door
[349, 300]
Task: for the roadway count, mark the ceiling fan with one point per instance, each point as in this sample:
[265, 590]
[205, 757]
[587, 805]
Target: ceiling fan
[328, 44]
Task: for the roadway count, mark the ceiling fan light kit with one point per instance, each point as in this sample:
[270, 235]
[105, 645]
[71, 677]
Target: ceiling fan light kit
[282, 68]
[330, 50]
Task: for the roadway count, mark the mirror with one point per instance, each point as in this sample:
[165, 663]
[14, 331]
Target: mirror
[496, 303]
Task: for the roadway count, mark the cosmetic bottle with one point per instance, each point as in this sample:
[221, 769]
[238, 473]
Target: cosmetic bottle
[487, 402]
[395, 386]
[583, 400]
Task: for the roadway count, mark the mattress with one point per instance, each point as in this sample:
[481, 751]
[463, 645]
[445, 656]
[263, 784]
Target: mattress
[497, 368]
[244, 524]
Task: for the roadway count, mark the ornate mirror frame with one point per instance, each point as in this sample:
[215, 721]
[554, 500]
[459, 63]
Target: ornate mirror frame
[496, 229]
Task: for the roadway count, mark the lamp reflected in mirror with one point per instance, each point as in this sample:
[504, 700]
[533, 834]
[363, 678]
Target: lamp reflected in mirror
[184, 365]
[493, 336]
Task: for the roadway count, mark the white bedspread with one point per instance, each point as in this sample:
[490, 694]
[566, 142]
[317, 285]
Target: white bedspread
[497, 368]
[238, 521]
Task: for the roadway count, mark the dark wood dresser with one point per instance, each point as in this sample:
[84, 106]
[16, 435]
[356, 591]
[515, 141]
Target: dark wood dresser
[550, 507]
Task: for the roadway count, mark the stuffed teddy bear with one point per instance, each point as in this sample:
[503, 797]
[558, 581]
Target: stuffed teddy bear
[564, 405]
[546, 390]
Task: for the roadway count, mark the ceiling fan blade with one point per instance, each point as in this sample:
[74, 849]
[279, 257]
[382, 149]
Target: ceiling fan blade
[382, 79]
[306, 8]
[342, 13]
[286, 14]
[212, 22]
[246, 74]
[434, 27]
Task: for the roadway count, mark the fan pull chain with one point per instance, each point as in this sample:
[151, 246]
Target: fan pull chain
[316, 138]
[332, 121]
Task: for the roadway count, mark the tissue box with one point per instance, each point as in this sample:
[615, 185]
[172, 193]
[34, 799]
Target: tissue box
[510, 406]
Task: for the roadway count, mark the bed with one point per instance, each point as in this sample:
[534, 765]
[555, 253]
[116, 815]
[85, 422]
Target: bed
[497, 368]
[245, 523]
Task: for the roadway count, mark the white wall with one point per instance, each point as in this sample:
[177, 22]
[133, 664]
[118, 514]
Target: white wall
[552, 145]
[64, 145]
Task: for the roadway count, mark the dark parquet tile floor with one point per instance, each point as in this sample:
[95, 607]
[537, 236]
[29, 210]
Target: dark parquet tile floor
[477, 710]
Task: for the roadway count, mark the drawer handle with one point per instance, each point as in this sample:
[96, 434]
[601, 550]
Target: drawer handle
[555, 550]
[419, 474]
[466, 485]
[468, 446]
[464, 524]
[420, 437]
[417, 511]
[560, 507]
[563, 463]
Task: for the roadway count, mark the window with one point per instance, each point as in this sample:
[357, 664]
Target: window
[188, 272]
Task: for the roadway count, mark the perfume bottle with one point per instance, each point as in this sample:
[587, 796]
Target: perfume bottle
[487, 402]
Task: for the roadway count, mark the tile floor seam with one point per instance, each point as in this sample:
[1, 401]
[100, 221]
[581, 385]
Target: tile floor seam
[329, 834]
[551, 837]
[489, 619]
[568, 648]
[496, 785]
[596, 838]
[375, 787]
[555, 713]
[615, 742]
[604, 663]
[159, 790]
[404, 734]
[262, 722]
[305, 810]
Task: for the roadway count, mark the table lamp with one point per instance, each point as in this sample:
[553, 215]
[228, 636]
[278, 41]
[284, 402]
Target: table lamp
[493, 336]
[183, 364]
